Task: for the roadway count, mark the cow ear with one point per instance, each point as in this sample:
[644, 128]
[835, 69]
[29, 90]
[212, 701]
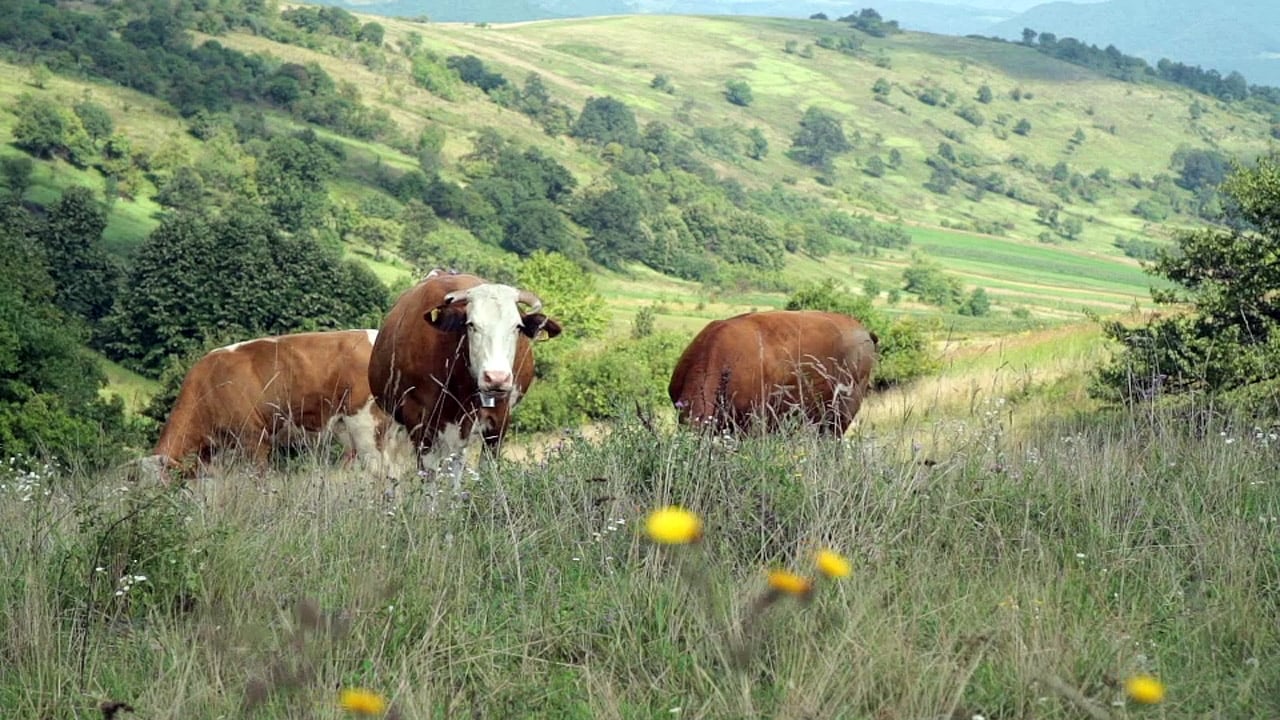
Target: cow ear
[446, 318]
[539, 326]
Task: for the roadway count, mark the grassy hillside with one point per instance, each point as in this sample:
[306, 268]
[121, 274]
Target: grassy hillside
[1096, 148]
[1129, 129]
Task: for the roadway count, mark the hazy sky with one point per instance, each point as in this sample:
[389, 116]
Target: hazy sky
[1015, 5]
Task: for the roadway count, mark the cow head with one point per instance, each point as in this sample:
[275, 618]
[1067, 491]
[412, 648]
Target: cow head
[491, 318]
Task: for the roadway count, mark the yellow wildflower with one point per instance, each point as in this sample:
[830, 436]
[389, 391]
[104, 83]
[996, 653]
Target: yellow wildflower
[673, 526]
[833, 564]
[362, 702]
[1144, 689]
[789, 583]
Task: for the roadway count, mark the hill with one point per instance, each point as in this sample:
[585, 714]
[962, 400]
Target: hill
[1228, 37]
[1019, 190]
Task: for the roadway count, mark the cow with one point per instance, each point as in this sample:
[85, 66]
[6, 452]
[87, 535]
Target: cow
[752, 370]
[453, 357]
[270, 392]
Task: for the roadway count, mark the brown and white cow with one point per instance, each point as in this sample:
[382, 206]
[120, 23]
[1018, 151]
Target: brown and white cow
[754, 369]
[453, 357]
[269, 392]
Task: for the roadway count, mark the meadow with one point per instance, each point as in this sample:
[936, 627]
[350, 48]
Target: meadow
[1017, 552]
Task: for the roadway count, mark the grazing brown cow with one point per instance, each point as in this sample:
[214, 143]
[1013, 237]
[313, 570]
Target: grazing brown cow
[454, 357]
[269, 392]
[761, 366]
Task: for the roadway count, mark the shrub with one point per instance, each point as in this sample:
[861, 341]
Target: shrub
[903, 345]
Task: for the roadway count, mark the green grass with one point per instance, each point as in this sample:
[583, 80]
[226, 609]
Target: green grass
[134, 389]
[1017, 575]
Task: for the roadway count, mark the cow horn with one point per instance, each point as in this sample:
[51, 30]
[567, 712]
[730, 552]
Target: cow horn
[530, 299]
[456, 296]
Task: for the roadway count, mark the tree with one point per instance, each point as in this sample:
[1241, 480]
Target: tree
[196, 277]
[738, 92]
[372, 33]
[50, 405]
[568, 293]
[663, 83]
[40, 126]
[1226, 274]
[875, 167]
[985, 95]
[84, 275]
[1023, 127]
[604, 120]
[613, 217]
[95, 119]
[881, 88]
[977, 304]
[1028, 36]
[819, 140]
[757, 144]
[895, 158]
[537, 224]
[15, 170]
[931, 284]
[377, 233]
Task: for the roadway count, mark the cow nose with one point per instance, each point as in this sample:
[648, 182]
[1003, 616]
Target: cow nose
[497, 379]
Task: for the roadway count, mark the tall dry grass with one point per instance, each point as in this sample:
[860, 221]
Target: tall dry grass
[997, 574]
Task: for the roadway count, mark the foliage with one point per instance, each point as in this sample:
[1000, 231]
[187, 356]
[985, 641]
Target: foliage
[604, 120]
[1225, 276]
[931, 284]
[902, 345]
[49, 402]
[86, 278]
[976, 304]
[629, 373]
[1140, 249]
[1199, 168]
[819, 140]
[568, 292]
[738, 92]
[870, 22]
[198, 276]
[146, 47]
[46, 129]
[472, 71]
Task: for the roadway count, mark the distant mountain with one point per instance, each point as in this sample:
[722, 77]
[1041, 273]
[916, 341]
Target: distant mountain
[1242, 35]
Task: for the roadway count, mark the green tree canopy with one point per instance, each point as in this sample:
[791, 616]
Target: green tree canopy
[606, 119]
[197, 277]
[49, 402]
[819, 140]
[1226, 276]
[84, 274]
[567, 291]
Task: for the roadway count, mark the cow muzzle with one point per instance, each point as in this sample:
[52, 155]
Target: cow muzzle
[495, 385]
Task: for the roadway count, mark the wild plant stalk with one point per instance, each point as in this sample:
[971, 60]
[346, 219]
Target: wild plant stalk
[1078, 550]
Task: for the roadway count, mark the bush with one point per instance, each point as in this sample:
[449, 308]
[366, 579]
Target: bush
[903, 345]
[1231, 340]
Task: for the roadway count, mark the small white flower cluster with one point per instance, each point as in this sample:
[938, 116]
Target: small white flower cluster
[28, 483]
[126, 583]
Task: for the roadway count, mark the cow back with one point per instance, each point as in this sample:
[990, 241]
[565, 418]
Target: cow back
[246, 393]
[767, 363]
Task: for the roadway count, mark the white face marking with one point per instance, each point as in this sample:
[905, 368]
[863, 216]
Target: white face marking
[493, 324]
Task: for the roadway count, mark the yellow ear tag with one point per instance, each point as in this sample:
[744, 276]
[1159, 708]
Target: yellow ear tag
[542, 335]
